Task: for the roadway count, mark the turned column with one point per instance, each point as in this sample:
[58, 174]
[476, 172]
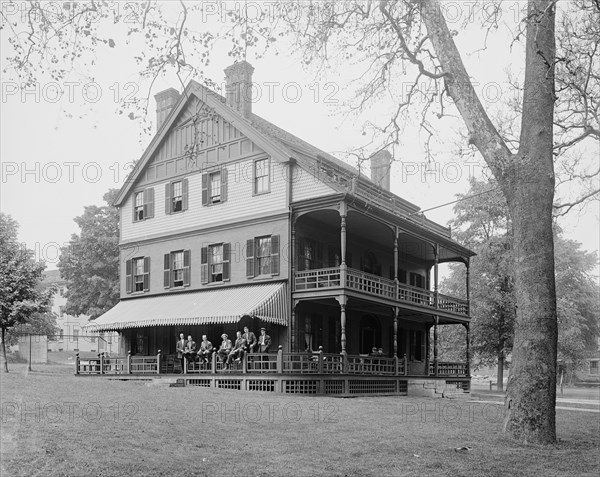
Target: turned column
[435, 345]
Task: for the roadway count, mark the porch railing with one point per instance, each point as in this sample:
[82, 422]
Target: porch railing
[252, 363]
[377, 286]
[449, 369]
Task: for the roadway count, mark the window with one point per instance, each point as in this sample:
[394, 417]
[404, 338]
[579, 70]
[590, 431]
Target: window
[261, 176]
[417, 345]
[61, 335]
[137, 275]
[262, 256]
[143, 205]
[215, 263]
[177, 269]
[594, 367]
[310, 255]
[214, 187]
[176, 196]
[417, 280]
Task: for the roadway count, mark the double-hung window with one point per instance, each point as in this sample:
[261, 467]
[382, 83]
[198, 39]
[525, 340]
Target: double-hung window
[215, 263]
[261, 176]
[143, 204]
[177, 269]
[176, 196]
[214, 187]
[137, 275]
[262, 256]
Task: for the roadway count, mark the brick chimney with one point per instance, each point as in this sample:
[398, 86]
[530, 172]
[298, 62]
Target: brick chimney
[238, 87]
[381, 163]
[165, 100]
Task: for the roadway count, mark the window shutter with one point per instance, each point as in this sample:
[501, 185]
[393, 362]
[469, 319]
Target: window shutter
[149, 203]
[204, 265]
[134, 217]
[167, 271]
[224, 184]
[250, 258]
[168, 198]
[226, 262]
[275, 255]
[128, 276]
[146, 273]
[205, 180]
[184, 198]
[186, 268]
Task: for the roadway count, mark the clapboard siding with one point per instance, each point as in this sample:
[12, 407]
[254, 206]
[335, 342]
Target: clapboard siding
[240, 203]
[307, 185]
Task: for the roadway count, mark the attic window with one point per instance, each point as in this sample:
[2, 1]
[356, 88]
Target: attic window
[139, 206]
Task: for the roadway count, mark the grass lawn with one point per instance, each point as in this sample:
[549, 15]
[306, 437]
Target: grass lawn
[57, 424]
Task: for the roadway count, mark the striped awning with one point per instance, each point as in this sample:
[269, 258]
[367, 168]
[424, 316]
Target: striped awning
[267, 301]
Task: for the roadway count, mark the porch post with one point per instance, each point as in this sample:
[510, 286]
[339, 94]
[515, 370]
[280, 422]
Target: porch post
[396, 311]
[343, 233]
[293, 325]
[396, 255]
[468, 286]
[468, 350]
[436, 291]
[293, 329]
[342, 300]
[435, 345]
[157, 361]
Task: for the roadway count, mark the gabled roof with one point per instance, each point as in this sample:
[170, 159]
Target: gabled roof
[283, 146]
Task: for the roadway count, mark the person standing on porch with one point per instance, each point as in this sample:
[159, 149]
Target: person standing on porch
[264, 341]
[180, 349]
[250, 338]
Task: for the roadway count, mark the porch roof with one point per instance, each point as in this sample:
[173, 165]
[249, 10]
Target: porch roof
[266, 301]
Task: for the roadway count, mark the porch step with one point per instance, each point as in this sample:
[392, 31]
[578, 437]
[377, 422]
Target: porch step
[460, 395]
[167, 382]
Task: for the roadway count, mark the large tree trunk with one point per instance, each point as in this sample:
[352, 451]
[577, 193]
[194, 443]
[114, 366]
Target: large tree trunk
[529, 189]
[4, 350]
[527, 181]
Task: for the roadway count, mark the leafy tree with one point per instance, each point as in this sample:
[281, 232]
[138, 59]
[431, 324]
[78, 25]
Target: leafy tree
[21, 297]
[483, 224]
[399, 42]
[90, 262]
[38, 324]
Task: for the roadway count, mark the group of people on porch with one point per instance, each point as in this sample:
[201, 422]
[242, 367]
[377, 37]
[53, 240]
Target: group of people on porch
[227, 352]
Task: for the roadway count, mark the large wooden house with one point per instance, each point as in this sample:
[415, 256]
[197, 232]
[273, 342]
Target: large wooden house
[229, 221]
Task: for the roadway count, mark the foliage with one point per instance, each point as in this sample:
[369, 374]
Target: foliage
[482, 223]
[38, 324]
[21, 296]
[90, 262]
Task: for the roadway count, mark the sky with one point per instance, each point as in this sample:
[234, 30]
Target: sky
[63, 145]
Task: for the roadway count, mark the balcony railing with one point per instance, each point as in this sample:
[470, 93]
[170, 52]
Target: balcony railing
[449, 369]
[377, 286]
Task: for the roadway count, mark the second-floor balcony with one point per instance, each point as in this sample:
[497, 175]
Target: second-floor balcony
[376, 286]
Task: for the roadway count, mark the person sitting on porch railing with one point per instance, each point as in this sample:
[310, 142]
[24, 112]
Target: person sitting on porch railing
[250, 338]
[190, 350]
[264, 341]
[374, 351]
[237, 353]
[206, 349]
[225, 348]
